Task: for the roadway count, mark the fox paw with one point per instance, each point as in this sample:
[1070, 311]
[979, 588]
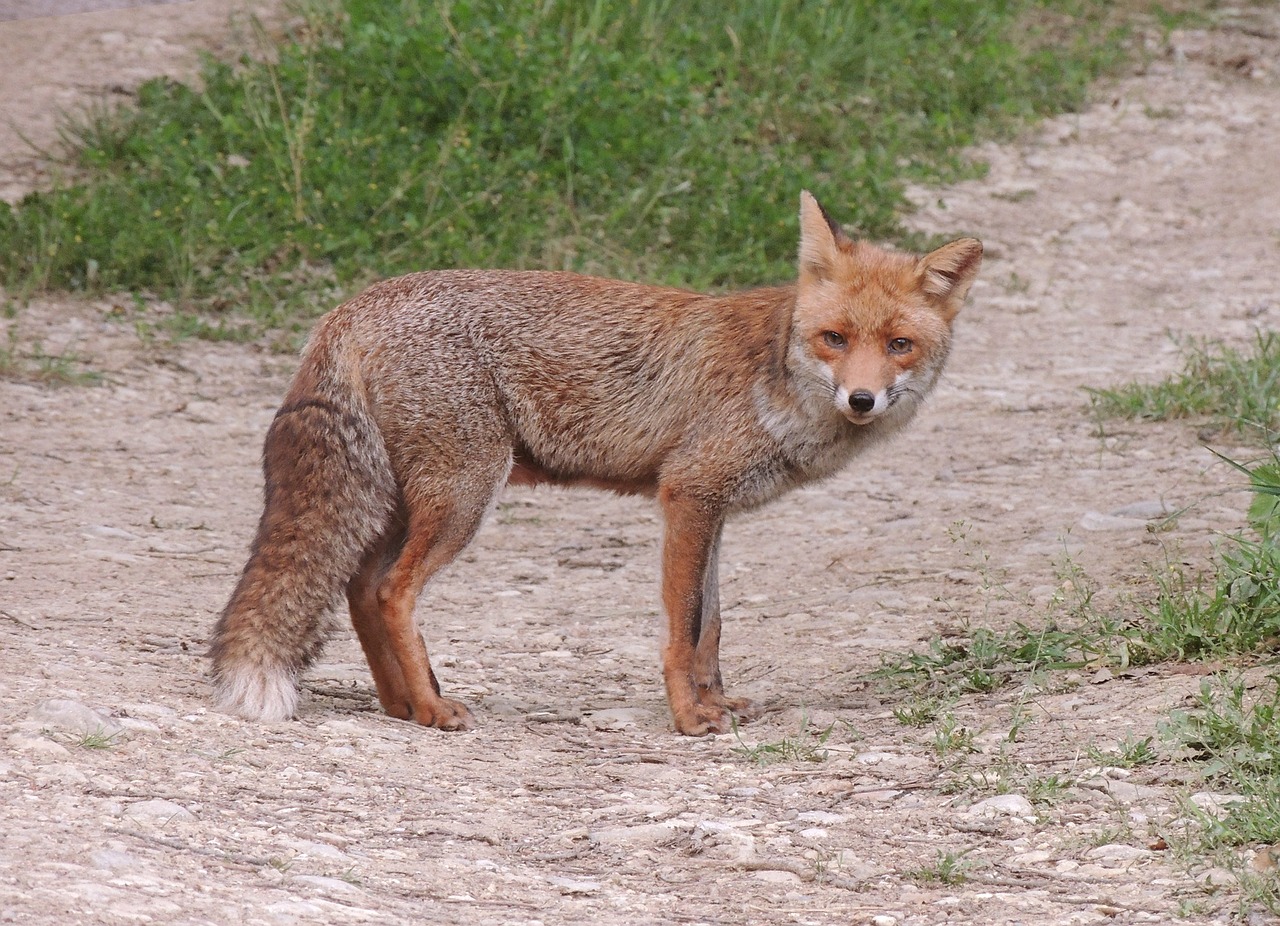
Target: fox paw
[446, 714]
[443, 714]
[703, 719]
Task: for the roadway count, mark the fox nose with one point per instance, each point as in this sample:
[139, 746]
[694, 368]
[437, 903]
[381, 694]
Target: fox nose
[862, 401]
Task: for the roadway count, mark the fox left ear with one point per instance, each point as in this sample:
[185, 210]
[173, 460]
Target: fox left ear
[821, 239]
[946, 274]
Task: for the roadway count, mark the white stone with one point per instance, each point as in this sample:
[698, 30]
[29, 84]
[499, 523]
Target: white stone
[1002, 805]
[159, 810]
[1117, 852]
[574, 885]
[74, 717]
[37, 745]
[616, 718]
[820, 817]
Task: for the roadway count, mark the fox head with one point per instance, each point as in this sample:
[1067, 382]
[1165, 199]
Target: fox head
[874, 326]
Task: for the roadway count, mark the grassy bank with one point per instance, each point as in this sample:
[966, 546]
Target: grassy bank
[643, 138]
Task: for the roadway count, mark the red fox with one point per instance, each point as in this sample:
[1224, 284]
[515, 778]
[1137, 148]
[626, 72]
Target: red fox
[419, 399]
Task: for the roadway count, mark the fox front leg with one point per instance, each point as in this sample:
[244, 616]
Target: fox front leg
[706, 656]
[690, 656]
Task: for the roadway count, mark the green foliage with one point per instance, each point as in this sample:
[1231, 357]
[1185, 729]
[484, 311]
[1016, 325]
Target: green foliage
[642, 138]
[1234, 733]
[1234, 389]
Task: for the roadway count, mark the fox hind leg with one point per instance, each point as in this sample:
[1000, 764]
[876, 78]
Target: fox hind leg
[442, 518]
[366, 618]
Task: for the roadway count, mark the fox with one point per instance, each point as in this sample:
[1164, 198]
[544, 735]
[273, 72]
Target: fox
[419, 399]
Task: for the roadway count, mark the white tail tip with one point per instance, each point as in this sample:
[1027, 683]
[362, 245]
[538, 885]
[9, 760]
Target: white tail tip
[265, 694]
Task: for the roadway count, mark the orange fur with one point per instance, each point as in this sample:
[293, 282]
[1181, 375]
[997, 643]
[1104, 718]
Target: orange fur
[420, 398]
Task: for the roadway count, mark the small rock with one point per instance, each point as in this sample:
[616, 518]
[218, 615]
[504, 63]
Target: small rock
[110, 533]
[155, 712]
[1097, 521]
[1117, 852]
[645, 834]
[774, 876]
[813, 833]
[574, 886]
[159, 810]
[820, 817]
[1130, 793]
[74, 717]
[1148, 511]
[328, 885]
[615, 719]
[113, 860]
[1212, 802]
[884, 919]
[1034, 857]
[1003, 805]
[320, 850]
[37, 745]
[1216, 877]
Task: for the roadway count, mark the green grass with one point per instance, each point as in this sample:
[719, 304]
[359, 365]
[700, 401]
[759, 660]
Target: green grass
[641, 138]
[1230, 389]
[946, 868]
[806, 746]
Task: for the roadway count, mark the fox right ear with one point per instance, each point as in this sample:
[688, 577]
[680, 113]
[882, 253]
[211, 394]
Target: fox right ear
[820, 239]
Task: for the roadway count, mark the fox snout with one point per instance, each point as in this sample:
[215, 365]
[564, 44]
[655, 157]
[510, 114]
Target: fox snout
[863, 404]
[862, 401]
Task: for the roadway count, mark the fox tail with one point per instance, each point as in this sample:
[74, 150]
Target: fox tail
[330, 493]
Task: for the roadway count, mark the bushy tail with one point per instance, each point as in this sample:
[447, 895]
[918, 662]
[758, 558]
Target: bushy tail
[329, 495]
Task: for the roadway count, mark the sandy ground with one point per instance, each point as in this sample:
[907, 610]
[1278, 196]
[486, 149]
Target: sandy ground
[126, 508]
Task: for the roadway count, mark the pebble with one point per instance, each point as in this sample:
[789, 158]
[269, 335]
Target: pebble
[74, 717]
[320, 850]
[1003, 805]
[820, 817]
[1216, 877]
[1034, 857]
[1130, 793]
[1147, 510]
[884, 919]
[645, 834]
[1214, 802]
[615, 719]
[1117, 852]
[1097, 521]
[574, 885]
[37, 745]
[113, 860]
[328, 885]
[159, 810]
[773, 876]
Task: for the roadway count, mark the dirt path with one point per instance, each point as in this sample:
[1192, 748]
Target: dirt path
[125, 510]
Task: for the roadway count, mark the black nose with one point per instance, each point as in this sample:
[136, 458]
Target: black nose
[862, 401]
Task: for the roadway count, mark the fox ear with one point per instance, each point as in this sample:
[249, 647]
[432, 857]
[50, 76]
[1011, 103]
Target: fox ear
[946, 274]
[820, 239]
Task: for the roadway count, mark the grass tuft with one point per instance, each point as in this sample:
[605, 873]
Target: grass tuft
[1233, 390]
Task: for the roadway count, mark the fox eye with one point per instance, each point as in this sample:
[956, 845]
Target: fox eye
[834, 339]
[900, 346]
